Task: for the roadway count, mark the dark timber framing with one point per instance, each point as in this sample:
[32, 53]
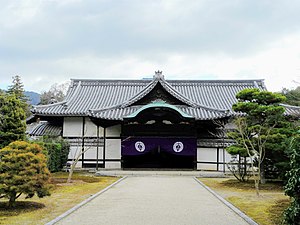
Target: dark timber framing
[82, 145]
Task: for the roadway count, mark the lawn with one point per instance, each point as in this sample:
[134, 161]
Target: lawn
[265, 210]
[63, 197]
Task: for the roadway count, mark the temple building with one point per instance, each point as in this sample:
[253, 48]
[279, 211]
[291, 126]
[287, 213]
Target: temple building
[148, 123]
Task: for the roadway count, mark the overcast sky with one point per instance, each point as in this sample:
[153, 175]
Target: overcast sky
[52, 41]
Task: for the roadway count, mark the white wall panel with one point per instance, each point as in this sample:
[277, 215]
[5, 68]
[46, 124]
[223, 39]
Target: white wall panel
[72, 127]
[206, 155]
[91, 153]
[74, 152]
[113, 149]
[112, 165]
[90, 129]
[227, 159]
[210, 155]
[113, 131]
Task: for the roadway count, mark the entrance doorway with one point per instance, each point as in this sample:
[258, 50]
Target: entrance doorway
[158, 158]
[159, 135]
[153, 152]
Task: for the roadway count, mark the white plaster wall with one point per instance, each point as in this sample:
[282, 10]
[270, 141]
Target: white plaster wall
[112, 165]
[72, 127]
[90, 129]
[74, 152]
[210, 155]
[113, 149]
[91, 153]
[227, 159]
[207, 155]
[113, 131]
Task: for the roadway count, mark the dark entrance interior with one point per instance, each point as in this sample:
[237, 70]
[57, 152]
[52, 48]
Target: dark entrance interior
[158, 159]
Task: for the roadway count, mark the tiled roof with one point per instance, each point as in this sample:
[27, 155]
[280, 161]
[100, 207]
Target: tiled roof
[46, 128]
[113, 99]
[291, 110]
[118, 113]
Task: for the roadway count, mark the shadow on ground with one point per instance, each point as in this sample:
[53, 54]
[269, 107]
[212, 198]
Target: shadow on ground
[20, 207]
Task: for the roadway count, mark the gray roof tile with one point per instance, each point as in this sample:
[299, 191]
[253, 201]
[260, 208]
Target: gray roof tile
[46, 128]
[112, 99]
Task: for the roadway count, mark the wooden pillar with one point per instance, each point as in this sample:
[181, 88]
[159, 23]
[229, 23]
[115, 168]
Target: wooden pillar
[82, 143]
[104, 145]
[218, 158]
[223, 159]
[97, 154]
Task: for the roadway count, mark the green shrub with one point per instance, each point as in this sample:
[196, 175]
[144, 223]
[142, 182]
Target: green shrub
[57, 151]
[292, 188]
[23, 170]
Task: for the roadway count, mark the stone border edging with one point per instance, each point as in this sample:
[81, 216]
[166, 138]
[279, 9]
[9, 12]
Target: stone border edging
[228, 204]
[65, 214]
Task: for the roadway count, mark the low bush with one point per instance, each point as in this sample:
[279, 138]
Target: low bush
[57, 151]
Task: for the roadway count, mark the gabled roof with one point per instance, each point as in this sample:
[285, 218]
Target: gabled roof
[159, 104]
[46, 128]
[114, 99]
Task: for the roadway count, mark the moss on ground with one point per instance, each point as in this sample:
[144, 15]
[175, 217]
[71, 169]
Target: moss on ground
[266, 209]
[63, 197]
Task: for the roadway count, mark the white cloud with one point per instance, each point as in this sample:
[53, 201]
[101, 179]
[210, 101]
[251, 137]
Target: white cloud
[50, 42]
[17, 13]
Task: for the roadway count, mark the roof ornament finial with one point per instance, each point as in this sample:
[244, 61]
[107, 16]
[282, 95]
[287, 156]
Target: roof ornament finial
[158, 74]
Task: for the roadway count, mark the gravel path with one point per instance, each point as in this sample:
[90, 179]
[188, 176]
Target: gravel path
[174, 200]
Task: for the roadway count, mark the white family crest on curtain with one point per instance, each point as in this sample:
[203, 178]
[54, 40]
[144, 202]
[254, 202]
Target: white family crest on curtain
[139, 146]
[178, 146]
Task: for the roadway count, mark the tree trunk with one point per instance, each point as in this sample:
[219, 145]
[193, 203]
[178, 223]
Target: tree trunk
[71, 171]
[12, 200]
[245, 169]
[256, 183]
[262, 173]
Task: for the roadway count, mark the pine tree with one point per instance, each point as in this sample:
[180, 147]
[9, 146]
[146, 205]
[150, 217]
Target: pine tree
[292, 96]
[17, 88]
[12, 119]
[292, 187]
[23, 170]
[261, 129]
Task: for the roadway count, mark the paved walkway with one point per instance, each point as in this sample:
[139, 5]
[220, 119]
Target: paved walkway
[174, 200]
[194, 173]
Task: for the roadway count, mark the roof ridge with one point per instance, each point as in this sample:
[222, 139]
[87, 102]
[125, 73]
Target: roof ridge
[289, 106]
[49, 105]
[110, 80]
[184, 99]
[59, 103]
[141, 94]
[147, 80]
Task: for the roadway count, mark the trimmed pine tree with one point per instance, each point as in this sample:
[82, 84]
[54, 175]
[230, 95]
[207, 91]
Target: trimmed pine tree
[23, 170]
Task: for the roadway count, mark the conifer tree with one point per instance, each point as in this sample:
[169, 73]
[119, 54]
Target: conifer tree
[260, 129]
[17, 88]
[23, 170]
[292, 188]
[12, 119]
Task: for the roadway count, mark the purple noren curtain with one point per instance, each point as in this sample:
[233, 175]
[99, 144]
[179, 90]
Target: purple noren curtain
[185, 146]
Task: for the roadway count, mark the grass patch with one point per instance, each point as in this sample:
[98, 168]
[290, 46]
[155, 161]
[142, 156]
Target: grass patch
[266, 209]
[63, 197]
